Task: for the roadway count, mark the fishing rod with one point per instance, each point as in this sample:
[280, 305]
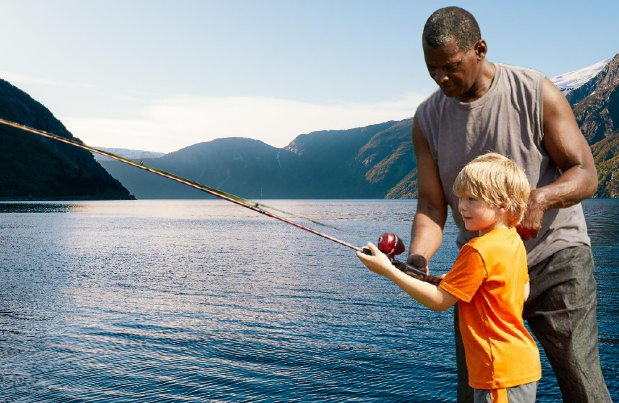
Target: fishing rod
[389, 244]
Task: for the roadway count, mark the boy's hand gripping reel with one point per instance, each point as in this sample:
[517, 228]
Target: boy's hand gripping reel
[391, 245]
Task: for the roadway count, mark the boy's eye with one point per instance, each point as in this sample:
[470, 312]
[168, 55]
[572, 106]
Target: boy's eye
[468, 199]
[471, 198]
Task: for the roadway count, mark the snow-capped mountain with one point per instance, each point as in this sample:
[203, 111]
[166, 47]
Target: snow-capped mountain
[567, 82]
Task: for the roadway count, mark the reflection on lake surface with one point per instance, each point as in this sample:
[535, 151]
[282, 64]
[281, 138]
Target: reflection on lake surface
[168, 301]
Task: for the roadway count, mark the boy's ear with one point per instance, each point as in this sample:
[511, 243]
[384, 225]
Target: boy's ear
[505, 206]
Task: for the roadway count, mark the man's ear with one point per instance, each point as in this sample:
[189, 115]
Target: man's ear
[481, 48]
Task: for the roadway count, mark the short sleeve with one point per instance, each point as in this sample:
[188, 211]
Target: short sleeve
[525, 276]
[466, 275]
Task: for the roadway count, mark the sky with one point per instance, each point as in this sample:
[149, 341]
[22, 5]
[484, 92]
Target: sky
[160, 75]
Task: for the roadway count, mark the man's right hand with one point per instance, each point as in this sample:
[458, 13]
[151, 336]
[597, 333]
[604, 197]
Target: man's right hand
[531, 223]
[419, 262]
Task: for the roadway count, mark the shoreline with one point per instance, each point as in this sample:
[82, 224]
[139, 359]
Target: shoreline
[65, 198]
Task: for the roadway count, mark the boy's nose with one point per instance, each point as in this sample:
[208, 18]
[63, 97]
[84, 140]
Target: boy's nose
[461, 207]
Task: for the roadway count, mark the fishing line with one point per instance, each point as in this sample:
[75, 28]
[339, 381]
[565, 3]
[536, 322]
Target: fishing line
[389, 244]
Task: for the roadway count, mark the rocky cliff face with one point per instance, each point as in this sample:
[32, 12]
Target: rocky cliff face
[596, 108]
[596, 104]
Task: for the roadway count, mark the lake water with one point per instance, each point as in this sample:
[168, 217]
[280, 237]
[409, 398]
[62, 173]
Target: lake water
[204, 301]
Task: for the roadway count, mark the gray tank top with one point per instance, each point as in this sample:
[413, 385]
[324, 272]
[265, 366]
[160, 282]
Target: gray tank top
[507, 120]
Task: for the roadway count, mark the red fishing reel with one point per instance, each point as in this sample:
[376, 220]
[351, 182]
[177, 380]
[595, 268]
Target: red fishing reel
[391, 245]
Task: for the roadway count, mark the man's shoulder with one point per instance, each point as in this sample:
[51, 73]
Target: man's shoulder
[432, 101]
[519, 72]
[433, 97]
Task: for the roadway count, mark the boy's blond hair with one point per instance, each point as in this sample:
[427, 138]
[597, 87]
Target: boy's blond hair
[498, 181]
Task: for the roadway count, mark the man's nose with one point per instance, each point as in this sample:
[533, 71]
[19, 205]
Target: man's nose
[440, 77]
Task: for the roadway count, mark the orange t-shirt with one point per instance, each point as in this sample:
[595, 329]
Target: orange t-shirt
[488, 278]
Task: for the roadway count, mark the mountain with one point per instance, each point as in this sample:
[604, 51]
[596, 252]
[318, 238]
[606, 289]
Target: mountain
[596, 103]
[596, 108]
[376, 161]
[136, 155]
[368, 162]
[567, 82]
[391, 159]
[606, 156]
[236, 165]
[357, 163]
[332, 164]
[35, 167]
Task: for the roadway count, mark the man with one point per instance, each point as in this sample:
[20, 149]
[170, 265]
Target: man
[481, 107]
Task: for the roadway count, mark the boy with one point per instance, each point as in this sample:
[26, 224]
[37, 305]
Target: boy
[489, 281]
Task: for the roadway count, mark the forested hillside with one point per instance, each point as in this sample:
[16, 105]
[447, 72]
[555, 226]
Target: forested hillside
[34, 167]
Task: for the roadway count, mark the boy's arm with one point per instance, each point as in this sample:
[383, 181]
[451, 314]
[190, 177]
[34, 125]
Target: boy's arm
[426, 294]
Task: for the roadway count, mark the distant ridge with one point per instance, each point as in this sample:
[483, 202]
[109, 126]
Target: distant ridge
[367, 162]
[320, 165]
[136, 155]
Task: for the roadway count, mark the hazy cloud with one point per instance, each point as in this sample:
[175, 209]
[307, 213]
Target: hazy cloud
[24, 79]
[173, 123]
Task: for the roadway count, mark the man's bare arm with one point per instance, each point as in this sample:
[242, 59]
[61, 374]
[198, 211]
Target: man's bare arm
[569, 149]
[431, 214]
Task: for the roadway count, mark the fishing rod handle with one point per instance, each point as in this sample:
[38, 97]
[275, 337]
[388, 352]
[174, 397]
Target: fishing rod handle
[415, 272]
